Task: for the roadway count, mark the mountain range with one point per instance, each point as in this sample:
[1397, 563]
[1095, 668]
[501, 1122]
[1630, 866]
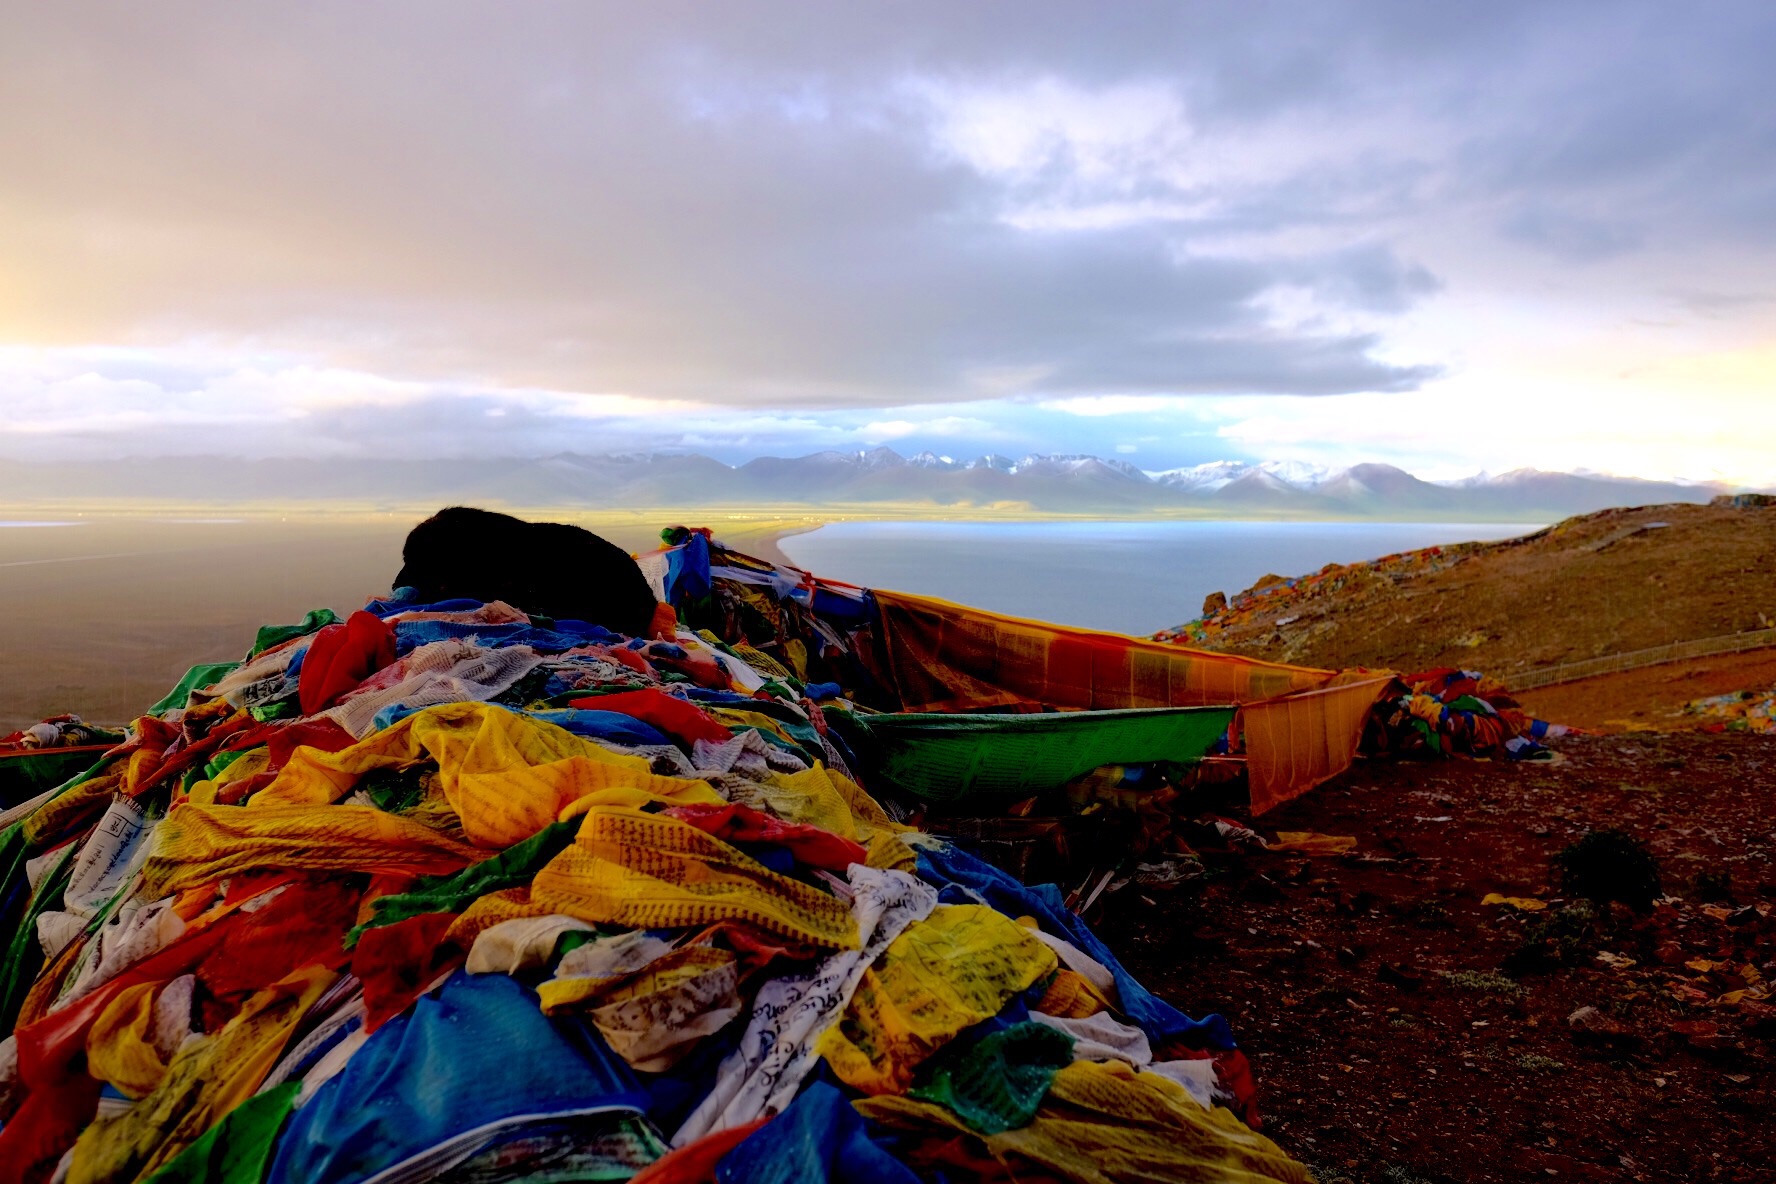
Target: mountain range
[1062, 484]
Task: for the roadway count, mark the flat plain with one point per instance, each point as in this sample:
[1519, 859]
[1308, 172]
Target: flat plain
[102, 618]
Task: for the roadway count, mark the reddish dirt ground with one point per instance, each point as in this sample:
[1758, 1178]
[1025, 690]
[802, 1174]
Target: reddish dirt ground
[1653, 696]
[1397, 1035]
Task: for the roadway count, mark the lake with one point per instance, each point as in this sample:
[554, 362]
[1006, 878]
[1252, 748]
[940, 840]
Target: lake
[1129, 577]
[103, 615]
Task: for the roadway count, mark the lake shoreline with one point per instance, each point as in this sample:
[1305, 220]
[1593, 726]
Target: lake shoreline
[770, 546]
[104, 616]
[1127, 577]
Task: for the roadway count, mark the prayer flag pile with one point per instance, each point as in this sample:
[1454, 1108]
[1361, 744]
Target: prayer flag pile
[451, 892]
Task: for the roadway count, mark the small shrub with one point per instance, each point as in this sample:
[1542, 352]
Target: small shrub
[1715, 886]
[1393, 1173]
[1429, 912]
[1484, 982]
[1535, 1063]
[1560, 937]
[1608, 865]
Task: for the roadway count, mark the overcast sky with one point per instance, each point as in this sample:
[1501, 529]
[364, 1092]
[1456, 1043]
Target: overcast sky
[1456, 237]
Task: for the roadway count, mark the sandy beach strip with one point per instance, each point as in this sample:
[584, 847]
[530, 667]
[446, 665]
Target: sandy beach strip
[766, 544]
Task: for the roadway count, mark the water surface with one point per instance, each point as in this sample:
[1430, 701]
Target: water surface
[1130, 577]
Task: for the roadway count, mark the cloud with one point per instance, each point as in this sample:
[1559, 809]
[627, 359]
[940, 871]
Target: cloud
[1571, 237]
[85, 404]
[1048, 131]
[440, 227]
[1590, 419]
[614, 201]
[130, 402]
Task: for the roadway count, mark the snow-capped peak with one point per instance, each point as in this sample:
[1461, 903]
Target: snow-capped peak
[1299, 473]
[1206, 478]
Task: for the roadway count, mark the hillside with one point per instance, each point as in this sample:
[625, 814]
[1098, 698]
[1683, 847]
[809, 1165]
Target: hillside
[1450, 983]
[1600, 584]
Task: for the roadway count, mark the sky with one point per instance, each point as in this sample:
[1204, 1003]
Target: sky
[1454, 237]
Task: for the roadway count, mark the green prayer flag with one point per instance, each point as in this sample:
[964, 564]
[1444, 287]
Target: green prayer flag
[198, 676]
[515, 867]
[238, 1149]
[997, 1084]
[270, 635]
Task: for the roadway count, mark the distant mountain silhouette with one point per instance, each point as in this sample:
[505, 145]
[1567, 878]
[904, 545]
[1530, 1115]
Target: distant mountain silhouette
[1052, 483]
